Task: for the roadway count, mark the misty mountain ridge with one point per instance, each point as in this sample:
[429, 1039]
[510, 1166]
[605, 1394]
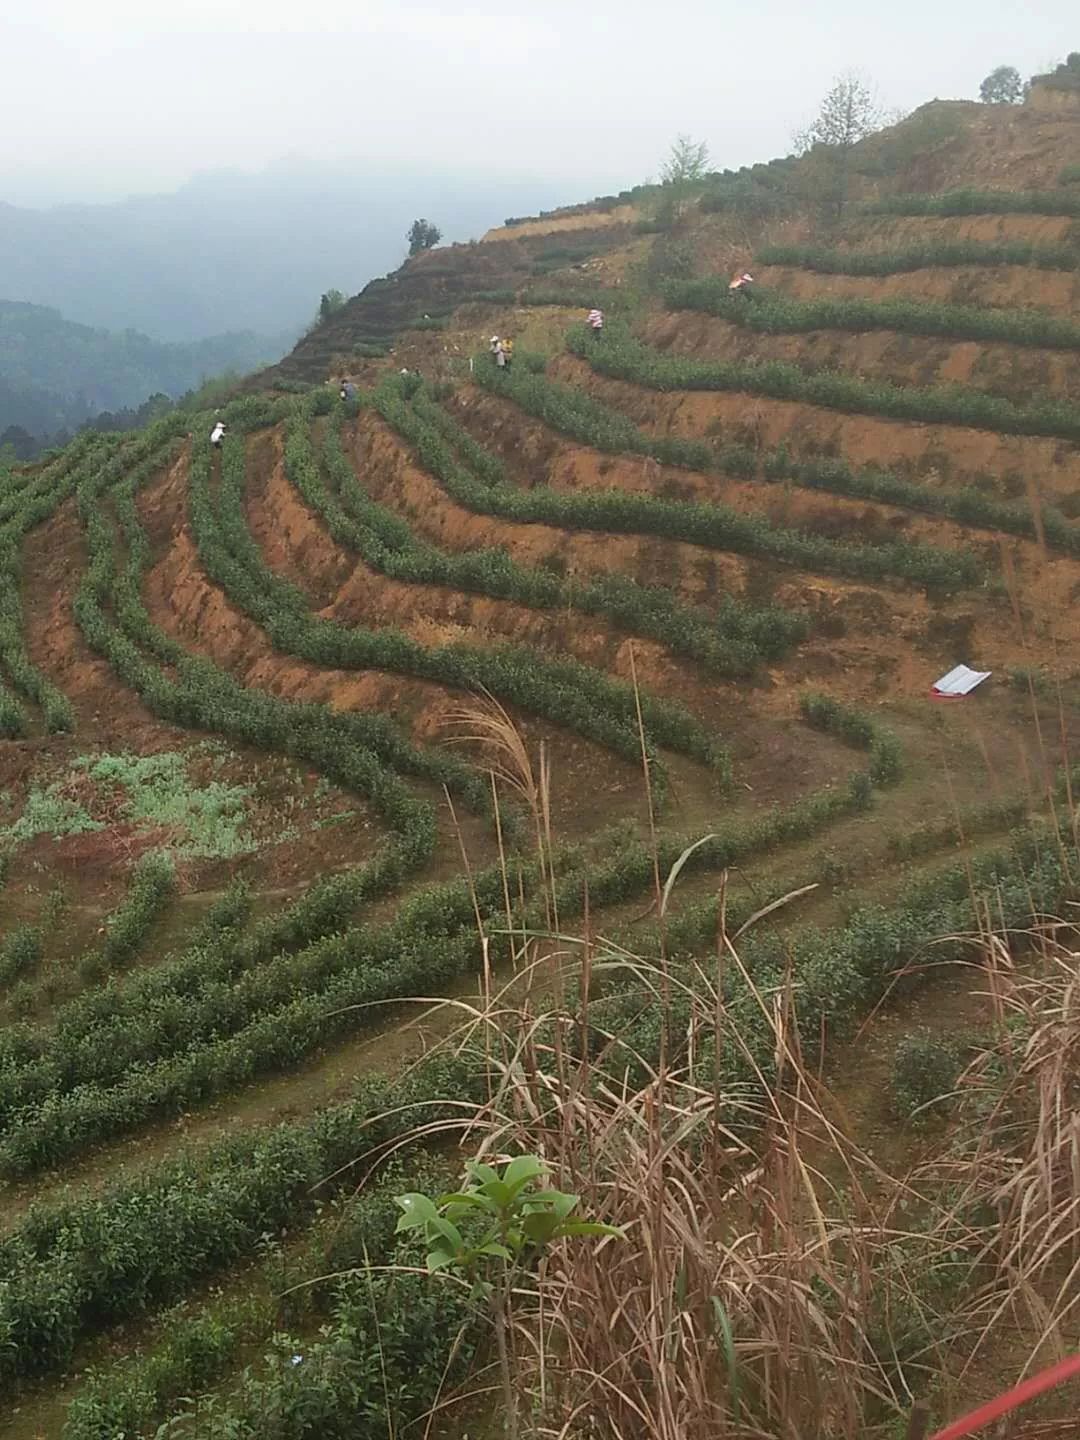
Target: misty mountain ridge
[230, 251]
[56, 375]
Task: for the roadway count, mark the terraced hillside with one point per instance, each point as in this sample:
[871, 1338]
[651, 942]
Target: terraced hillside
[591, 696]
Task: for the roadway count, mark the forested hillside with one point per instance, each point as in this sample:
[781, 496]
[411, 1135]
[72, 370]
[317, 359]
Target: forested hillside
[55, 375]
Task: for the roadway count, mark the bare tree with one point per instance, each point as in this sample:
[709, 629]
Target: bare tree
[849, 113]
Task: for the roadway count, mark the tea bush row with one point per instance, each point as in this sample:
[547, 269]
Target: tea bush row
[944, 254]
[714, 525]
[234, 562]
[21, 950]
[855, 727]
[222, 1013]
[32, 504]
[14, 723]
[196, 1346]
[775, 314]
[565, 692]
[730, 639]
[70, 1268]
[977, 202]
[585, 418]
[152, 886]
[193, 692]
[839, 973]
[399, 1342]
[621, 357]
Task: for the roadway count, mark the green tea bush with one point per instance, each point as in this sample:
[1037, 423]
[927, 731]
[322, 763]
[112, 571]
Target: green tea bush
[396, 1342]
[230, 1008]
[196, 1346]
[234, 561]
[13, 721]
[777, 315]
[1070, 175]
[346, 748]
[934, 253]
[936, 835]
[624, 358]
[856, 727]
[20, 512]
[925, 1069]
[977, 202]
[65, 1270]
[20, 952]
[69, 1268]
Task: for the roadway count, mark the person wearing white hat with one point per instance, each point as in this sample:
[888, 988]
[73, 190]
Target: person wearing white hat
[741, 285]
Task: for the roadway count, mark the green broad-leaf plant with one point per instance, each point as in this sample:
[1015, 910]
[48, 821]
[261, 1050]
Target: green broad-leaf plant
[489, 1232]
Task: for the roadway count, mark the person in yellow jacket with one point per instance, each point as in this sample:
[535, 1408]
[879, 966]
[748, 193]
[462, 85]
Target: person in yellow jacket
[508, 351]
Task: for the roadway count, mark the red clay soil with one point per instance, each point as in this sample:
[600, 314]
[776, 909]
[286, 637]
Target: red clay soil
[957, 452]
[597, 786]
[1019, 372]
[54, 558]
[304, 552]
[1047, 583]
[755, 724]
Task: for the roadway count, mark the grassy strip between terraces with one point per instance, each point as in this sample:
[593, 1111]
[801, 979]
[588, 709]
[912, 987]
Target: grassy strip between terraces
[774, 314]
[622, 357]
[977, 202]
[229, 1009]
[565, 692]
[69, 1268]
[571, 412]
[945, 254]
[731, 639]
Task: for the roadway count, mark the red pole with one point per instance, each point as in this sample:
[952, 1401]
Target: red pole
[1011, 1400]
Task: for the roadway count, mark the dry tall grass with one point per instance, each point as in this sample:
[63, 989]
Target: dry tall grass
[774, 1280]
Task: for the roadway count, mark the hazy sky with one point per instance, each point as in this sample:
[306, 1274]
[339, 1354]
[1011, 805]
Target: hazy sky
[109, 97]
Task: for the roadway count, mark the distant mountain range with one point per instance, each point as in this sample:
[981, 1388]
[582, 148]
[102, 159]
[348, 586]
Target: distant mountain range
[55, 375]
[232, 251]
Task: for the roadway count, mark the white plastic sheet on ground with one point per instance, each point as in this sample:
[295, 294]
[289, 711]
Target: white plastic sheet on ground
[959, 681]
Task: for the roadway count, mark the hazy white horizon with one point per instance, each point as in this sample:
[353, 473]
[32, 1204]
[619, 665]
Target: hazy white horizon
[118, 98]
